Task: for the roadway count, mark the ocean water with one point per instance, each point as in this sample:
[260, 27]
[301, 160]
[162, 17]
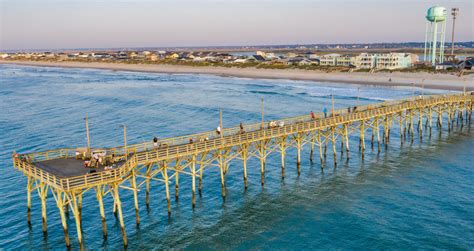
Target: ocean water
[418, 196]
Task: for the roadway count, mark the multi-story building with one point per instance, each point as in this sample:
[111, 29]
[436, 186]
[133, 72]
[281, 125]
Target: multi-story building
[365, 61]
[329, 59]
[345, 60]
[391, 61]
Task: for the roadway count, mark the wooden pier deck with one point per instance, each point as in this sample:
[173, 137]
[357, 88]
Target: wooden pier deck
[58, 171]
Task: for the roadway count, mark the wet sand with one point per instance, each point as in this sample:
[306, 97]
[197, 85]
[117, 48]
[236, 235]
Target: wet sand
[429, 80]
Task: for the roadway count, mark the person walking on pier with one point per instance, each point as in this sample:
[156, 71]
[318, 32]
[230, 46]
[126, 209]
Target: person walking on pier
[242, 131]
[325, 110]
[218, 130]
[313, 117]
[155, 142]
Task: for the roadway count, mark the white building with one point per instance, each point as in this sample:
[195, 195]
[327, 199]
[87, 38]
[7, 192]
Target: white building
[328, 59]
[365, 61]
[393, 61]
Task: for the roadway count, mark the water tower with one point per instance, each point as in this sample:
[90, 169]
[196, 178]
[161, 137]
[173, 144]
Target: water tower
[435, 34]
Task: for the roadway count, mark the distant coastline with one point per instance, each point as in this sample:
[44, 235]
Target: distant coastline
[430, 80]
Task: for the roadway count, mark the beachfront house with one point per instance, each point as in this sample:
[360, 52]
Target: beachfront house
[122, 55]
[345, 60]
[172, 55]
[392, 61]
[365, 61]
[152, 57]
[328, 59]
[101, 55]
[72, 56]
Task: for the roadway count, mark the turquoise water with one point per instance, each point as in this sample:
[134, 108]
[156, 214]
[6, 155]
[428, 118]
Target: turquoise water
[419, 196]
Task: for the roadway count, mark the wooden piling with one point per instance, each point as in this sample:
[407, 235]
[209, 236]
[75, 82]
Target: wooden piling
[167, 186]
[29, 188]
[221, 169]
[262, 157]
[120, 214]
[61, 201]
[147, 184]
[43, 194]
[135, 197]
[283, 152]
[99, 193]
[298, 153]
[176, 185]
[193, 173]
[77, 216]
[244, 153]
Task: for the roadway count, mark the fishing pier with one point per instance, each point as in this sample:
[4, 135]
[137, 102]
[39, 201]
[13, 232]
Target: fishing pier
[61, 172]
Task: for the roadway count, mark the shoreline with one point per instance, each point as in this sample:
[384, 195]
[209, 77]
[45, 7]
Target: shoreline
[431, 81]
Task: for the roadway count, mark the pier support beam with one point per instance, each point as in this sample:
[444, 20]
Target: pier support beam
[176, 185]
[135, 197]
[333, 143]
[221, 169]
[420, 123]
[120, 214]
[147, 184]
[193, 172]
[29, 188]
[99, 194]
[167, 186]
[263, 158]
[346, 136]
[244, 155]
[362, 138]
[282, 146]
[400, 124]
[299, 139]
[320, 143]
[43, 194]
[61, 201]
[75, 211]
[201, 167]
[377, 132]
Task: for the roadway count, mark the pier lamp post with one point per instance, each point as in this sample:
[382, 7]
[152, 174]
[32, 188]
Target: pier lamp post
[358, 95]
[87, 133]
[332, 99]
[464, 86]
[263, 115]
[220, 123]
[125, 141]
[422, 87]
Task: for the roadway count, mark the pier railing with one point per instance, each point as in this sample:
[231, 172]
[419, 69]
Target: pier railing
[180, 140]
[208, 141]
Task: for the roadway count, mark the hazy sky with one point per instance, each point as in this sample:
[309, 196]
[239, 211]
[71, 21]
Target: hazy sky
[42, 24]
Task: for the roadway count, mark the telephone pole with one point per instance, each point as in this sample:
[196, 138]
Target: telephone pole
[454, 13]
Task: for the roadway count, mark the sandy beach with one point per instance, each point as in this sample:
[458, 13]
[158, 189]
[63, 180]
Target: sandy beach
[430, 80]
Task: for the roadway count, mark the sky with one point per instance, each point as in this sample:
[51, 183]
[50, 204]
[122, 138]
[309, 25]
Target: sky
[61, 24]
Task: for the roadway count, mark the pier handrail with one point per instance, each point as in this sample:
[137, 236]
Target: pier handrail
[180, 140]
